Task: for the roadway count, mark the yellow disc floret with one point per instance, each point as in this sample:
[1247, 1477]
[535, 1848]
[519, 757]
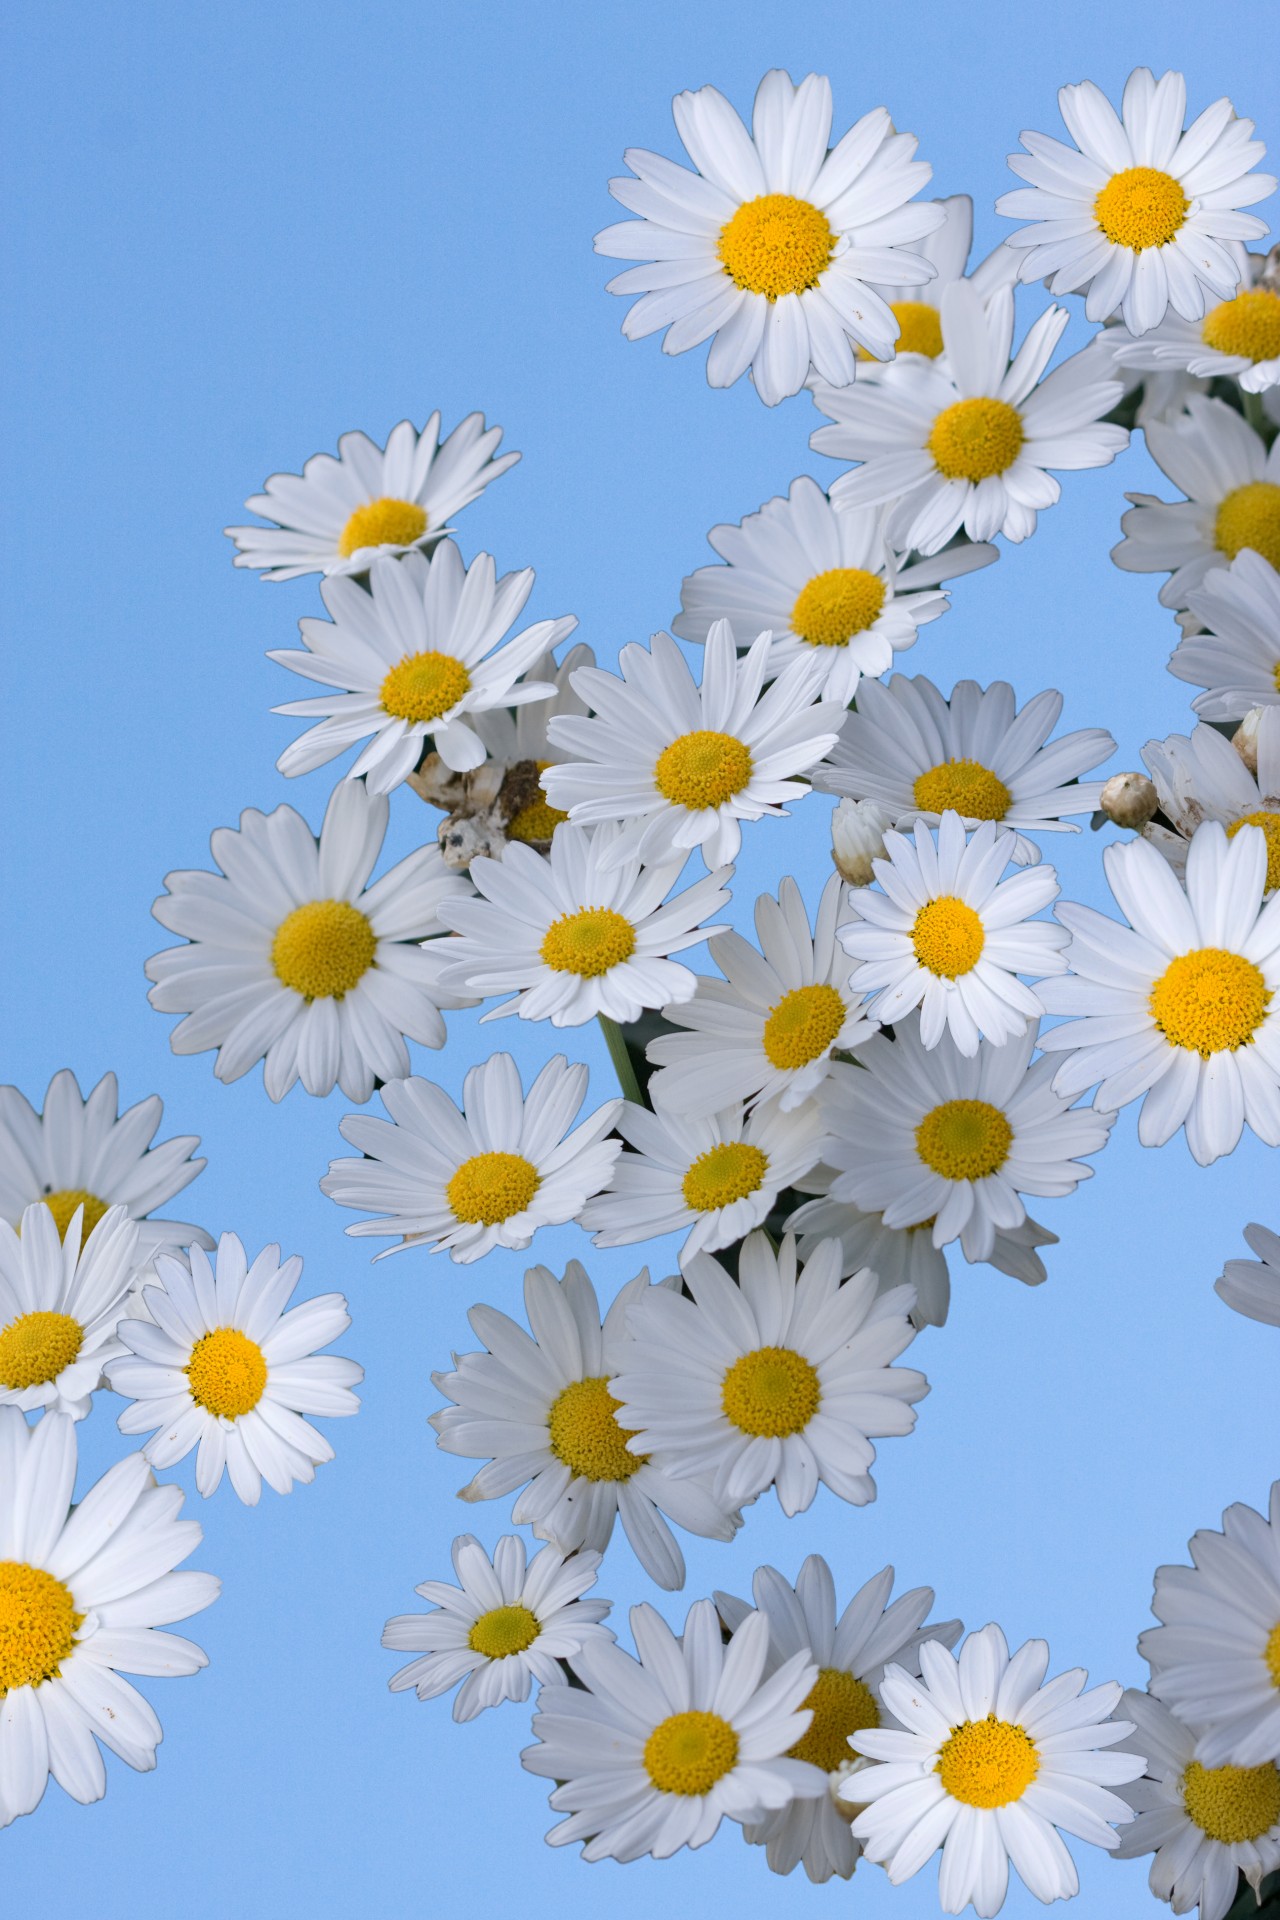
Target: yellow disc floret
[323, 949]
[948, 937]
[1209, 1001]
[920, 329]
[1232, 1804]
[702, 769]
[1271, 1654]
[589, 942]
[1247, 327]
[490, 1187]
[964, 786]
[538, 821]
[504, 1631]
[964, 1139]
[802, 1026]
[987, 1763]
[38, 1625]
[585, 1435]
[385, 522]
[1249, 516]
[1141, 207]
[423, 686]
[35, 1348]
[63, 1204]
[1270, 825]
[775, 245]
[688, 1752]
[772, 1391]
[226, 1372]
[974, 439]
[835, 605]
[724, 1174]
[841, 1704]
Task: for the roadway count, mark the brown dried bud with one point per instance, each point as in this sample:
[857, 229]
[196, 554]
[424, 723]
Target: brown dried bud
[1129, 800]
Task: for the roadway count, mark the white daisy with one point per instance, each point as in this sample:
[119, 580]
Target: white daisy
[851, 1653]
[1237, 659]
[917, 752]
[922, 1136]
[966, 440]
[515, 737]
[1252, 1287]
[915, 308]
[779, 1381]
[60, 1302]
[719, 1176]
[1205, 1825]
[771, 244]
[769, 1028]
[504, 1626]
[82, 1591]
[1238, 339]
[337, 515]
[1232, 484]
[294, 960]
[683, 765]
[1178, 1004]
[857, 838]
[991, 1765]
[1202, 777]
[652, 1753]
[822, 583]
[948, 935]
[541, 1410]
[488, 1176]
[1215, 1658]
[78, 1154]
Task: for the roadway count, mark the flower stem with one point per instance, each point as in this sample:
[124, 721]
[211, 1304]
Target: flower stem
[621, 1058]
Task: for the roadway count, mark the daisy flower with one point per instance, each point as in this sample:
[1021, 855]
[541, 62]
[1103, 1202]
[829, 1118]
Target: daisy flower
[780, 1381]
[576, 933]
[59, 1306]
[918, 753]
[78, 1154]
[1232, 484]
[83, 1590]
[823, 583]
[505, 1625]
[967, 440]
[652, 1753]
[1205, 1825]
[1202, 777]
[768, 1030]
[990, 1765]
[294, 960]
[857, 838]
[1140, 215]
[852, 1653]
[719, 1176]
[488, 1176]
[539, 1408]
[948, 935]
[929, 1135]
[683, 765]
[517, 736]
[1237, 659]
[770, 245]
[915, 308]
[1252, 1287]
[1238, 339]
[1215, 1658]
[338, 515]
[1178, 1004]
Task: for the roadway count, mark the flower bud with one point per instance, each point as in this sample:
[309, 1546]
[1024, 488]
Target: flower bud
[857, 838]
[1129, 800]
[1245, 738]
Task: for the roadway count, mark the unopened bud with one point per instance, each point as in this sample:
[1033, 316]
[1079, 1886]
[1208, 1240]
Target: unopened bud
[464, 837]
[1129, 800]
[857, 838]
[1245, 738]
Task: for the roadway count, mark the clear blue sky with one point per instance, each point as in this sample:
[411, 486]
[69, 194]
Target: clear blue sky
[236, 232]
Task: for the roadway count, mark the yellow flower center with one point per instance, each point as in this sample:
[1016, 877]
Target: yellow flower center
[802, 1026]
[702, 769]
[724, 1174]
[1270, 824]
[987, 1763]
[775, 245]
[383, 523]
[964, 1139]
[964, 786]
[588, 942]
[921, 329]
[35, 1348]
[63, 1204]
[948, 937]
[841, 1705]
[226, 1372]
[1271, 1654]
[1250, 517]
[688, 1752]
[1141, 207]
[323, 949]
[504, 1631]
[772, 1391]
[490, 1187]
[835, 605]
[38, 1625]
[1247, 326]
[1209, 1001]
[585, 1434]
[974, 439]
[538, 821]
[1232, 1804]
[423, 686]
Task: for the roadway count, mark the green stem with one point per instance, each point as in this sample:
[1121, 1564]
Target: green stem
[617, 1045]
[1255, 413]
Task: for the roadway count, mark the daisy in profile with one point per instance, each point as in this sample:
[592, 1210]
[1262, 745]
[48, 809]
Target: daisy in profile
[78, 1154]
[84, 1591]
[219, 1365]
[768, 249]
[918, 753]
[1237, 658]
[768, 1030]
[338, 515]
[990, 1765]
[967, 440]
[916, 308]
[923, 1136]
[1180, 1005]
[1143, 212]
[683, 765]
[651, 1753]
[59, 1306]
[1252, 1287]
[292, 958]
[488, 1176]
[1237, 339]
[822, 583]
[504, 1626]
[1201, 777]
[946, 934]
[539, 1407]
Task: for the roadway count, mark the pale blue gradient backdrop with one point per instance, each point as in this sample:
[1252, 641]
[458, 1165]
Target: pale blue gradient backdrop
[237, 232]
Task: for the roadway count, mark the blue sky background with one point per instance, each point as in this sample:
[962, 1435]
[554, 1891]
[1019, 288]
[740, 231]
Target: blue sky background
[235, 233]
